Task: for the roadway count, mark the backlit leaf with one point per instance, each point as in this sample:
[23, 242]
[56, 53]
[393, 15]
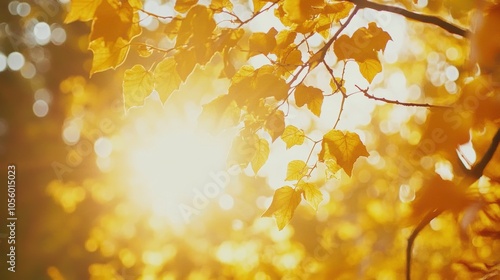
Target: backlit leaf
[311, 193]
[82, 10]
[137, 85]
[219, 5]
[185, 63]
[346, 148]
[296, 170]
[219, 114]
[108, 55]
[293, 136]
[262, 43]
[285, 201]
[275, 124]
[261, 155]
[183, 6]
[311, 96]
[166, 78]
[369, 68]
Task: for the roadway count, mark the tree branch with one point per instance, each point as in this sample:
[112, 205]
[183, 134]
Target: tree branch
[412, 15]
[409, 104]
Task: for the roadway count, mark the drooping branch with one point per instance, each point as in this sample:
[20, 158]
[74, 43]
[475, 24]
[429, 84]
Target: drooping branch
[412, 15]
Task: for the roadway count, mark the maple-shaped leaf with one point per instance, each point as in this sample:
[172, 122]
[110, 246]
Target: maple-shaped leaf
[137, 85]
[311, 193]
[285, 201]
[275, 124]
[166, 78]
[219, 114]
[262, 43]
[369, 68]
[293, 136]
[296, 170]
[346, 148]
[183, 6]
[82, 10]
[261, 155]
[108, 55]
[311, 96]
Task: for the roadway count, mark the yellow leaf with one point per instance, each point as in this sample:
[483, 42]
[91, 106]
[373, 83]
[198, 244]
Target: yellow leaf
[166, 78]
[261, 155]
[258, 4]
[293, 136]
[144, 50]
[262, 43]
[299, 11]
[183, 6]
[137, 85]
[123, 19]
[345, 148]
[219, 114]
[285, 201]
[186, 61]
[369, 68]
[311, 96]
[275, 124]
[108, 56]
[219, 5]
[285, 38]
[332, 168]
[242, 150]
[82, 10]
[338, 10]
[296, 170]
[244, 72]
[311, 194]
[136, 4]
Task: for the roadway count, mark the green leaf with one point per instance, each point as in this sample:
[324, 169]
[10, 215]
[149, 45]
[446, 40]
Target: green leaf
[345, 148]
[166, 78]
[311, 194]
[296, 170]
[285, 201]
[261, 155]
[293, 136]
[137, 85]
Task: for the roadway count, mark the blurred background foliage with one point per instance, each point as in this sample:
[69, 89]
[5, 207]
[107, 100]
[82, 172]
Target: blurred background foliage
[84, 213]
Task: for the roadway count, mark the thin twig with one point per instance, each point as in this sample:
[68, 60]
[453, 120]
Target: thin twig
[412, 15]
[409, 104]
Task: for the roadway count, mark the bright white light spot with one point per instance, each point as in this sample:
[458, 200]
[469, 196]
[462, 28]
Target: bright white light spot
[3, 62]
[28, 71]
[422, 3]
[40, 108]
[226, 202]
[406, 193]
[13, 7]
[42, 33]
[452, 73]
[467, 154]
[444, 169]
[397, 81]
[71, 134]
[436, 224]
[103, 147]
[452, 53]
[23, 9]
[391, 53]
[15, 61]
[58, 36]
[451, 87]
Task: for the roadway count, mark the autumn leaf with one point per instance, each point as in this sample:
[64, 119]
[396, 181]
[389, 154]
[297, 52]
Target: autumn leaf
[185, 63]
[108, 56]
[122, 17]
[261, 155]
[144, 50]
[296, 170]
[311, 194]
[299, 11]
[183, 6]
[219, 5]
[275, 124]
[166, 78]
[262, 43]
[219, 114]
[332, 168]
[82, 10]
[369, 68]
[346, 148]
[311, 96]
[137, 85]
[285, 201]
[293, 136]
[243, 150]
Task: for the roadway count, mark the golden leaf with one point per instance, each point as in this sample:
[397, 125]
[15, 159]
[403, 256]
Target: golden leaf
[261, 155]
[108, 56]
[311, 194]
[219, 114]
[82, 10]
[262, 43]
[166, 78]
[137, 85]
[311, 96]
[296, 170]
[369, 68]
[285, 201]
[345, 148]
[293, 136]
[183, 6]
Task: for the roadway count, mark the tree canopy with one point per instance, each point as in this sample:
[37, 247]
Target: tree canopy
[366, 130]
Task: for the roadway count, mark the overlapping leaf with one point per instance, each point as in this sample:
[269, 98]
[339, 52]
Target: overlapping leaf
[285, 201]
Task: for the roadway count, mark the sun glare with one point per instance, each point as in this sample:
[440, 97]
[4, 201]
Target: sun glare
[169, 163]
